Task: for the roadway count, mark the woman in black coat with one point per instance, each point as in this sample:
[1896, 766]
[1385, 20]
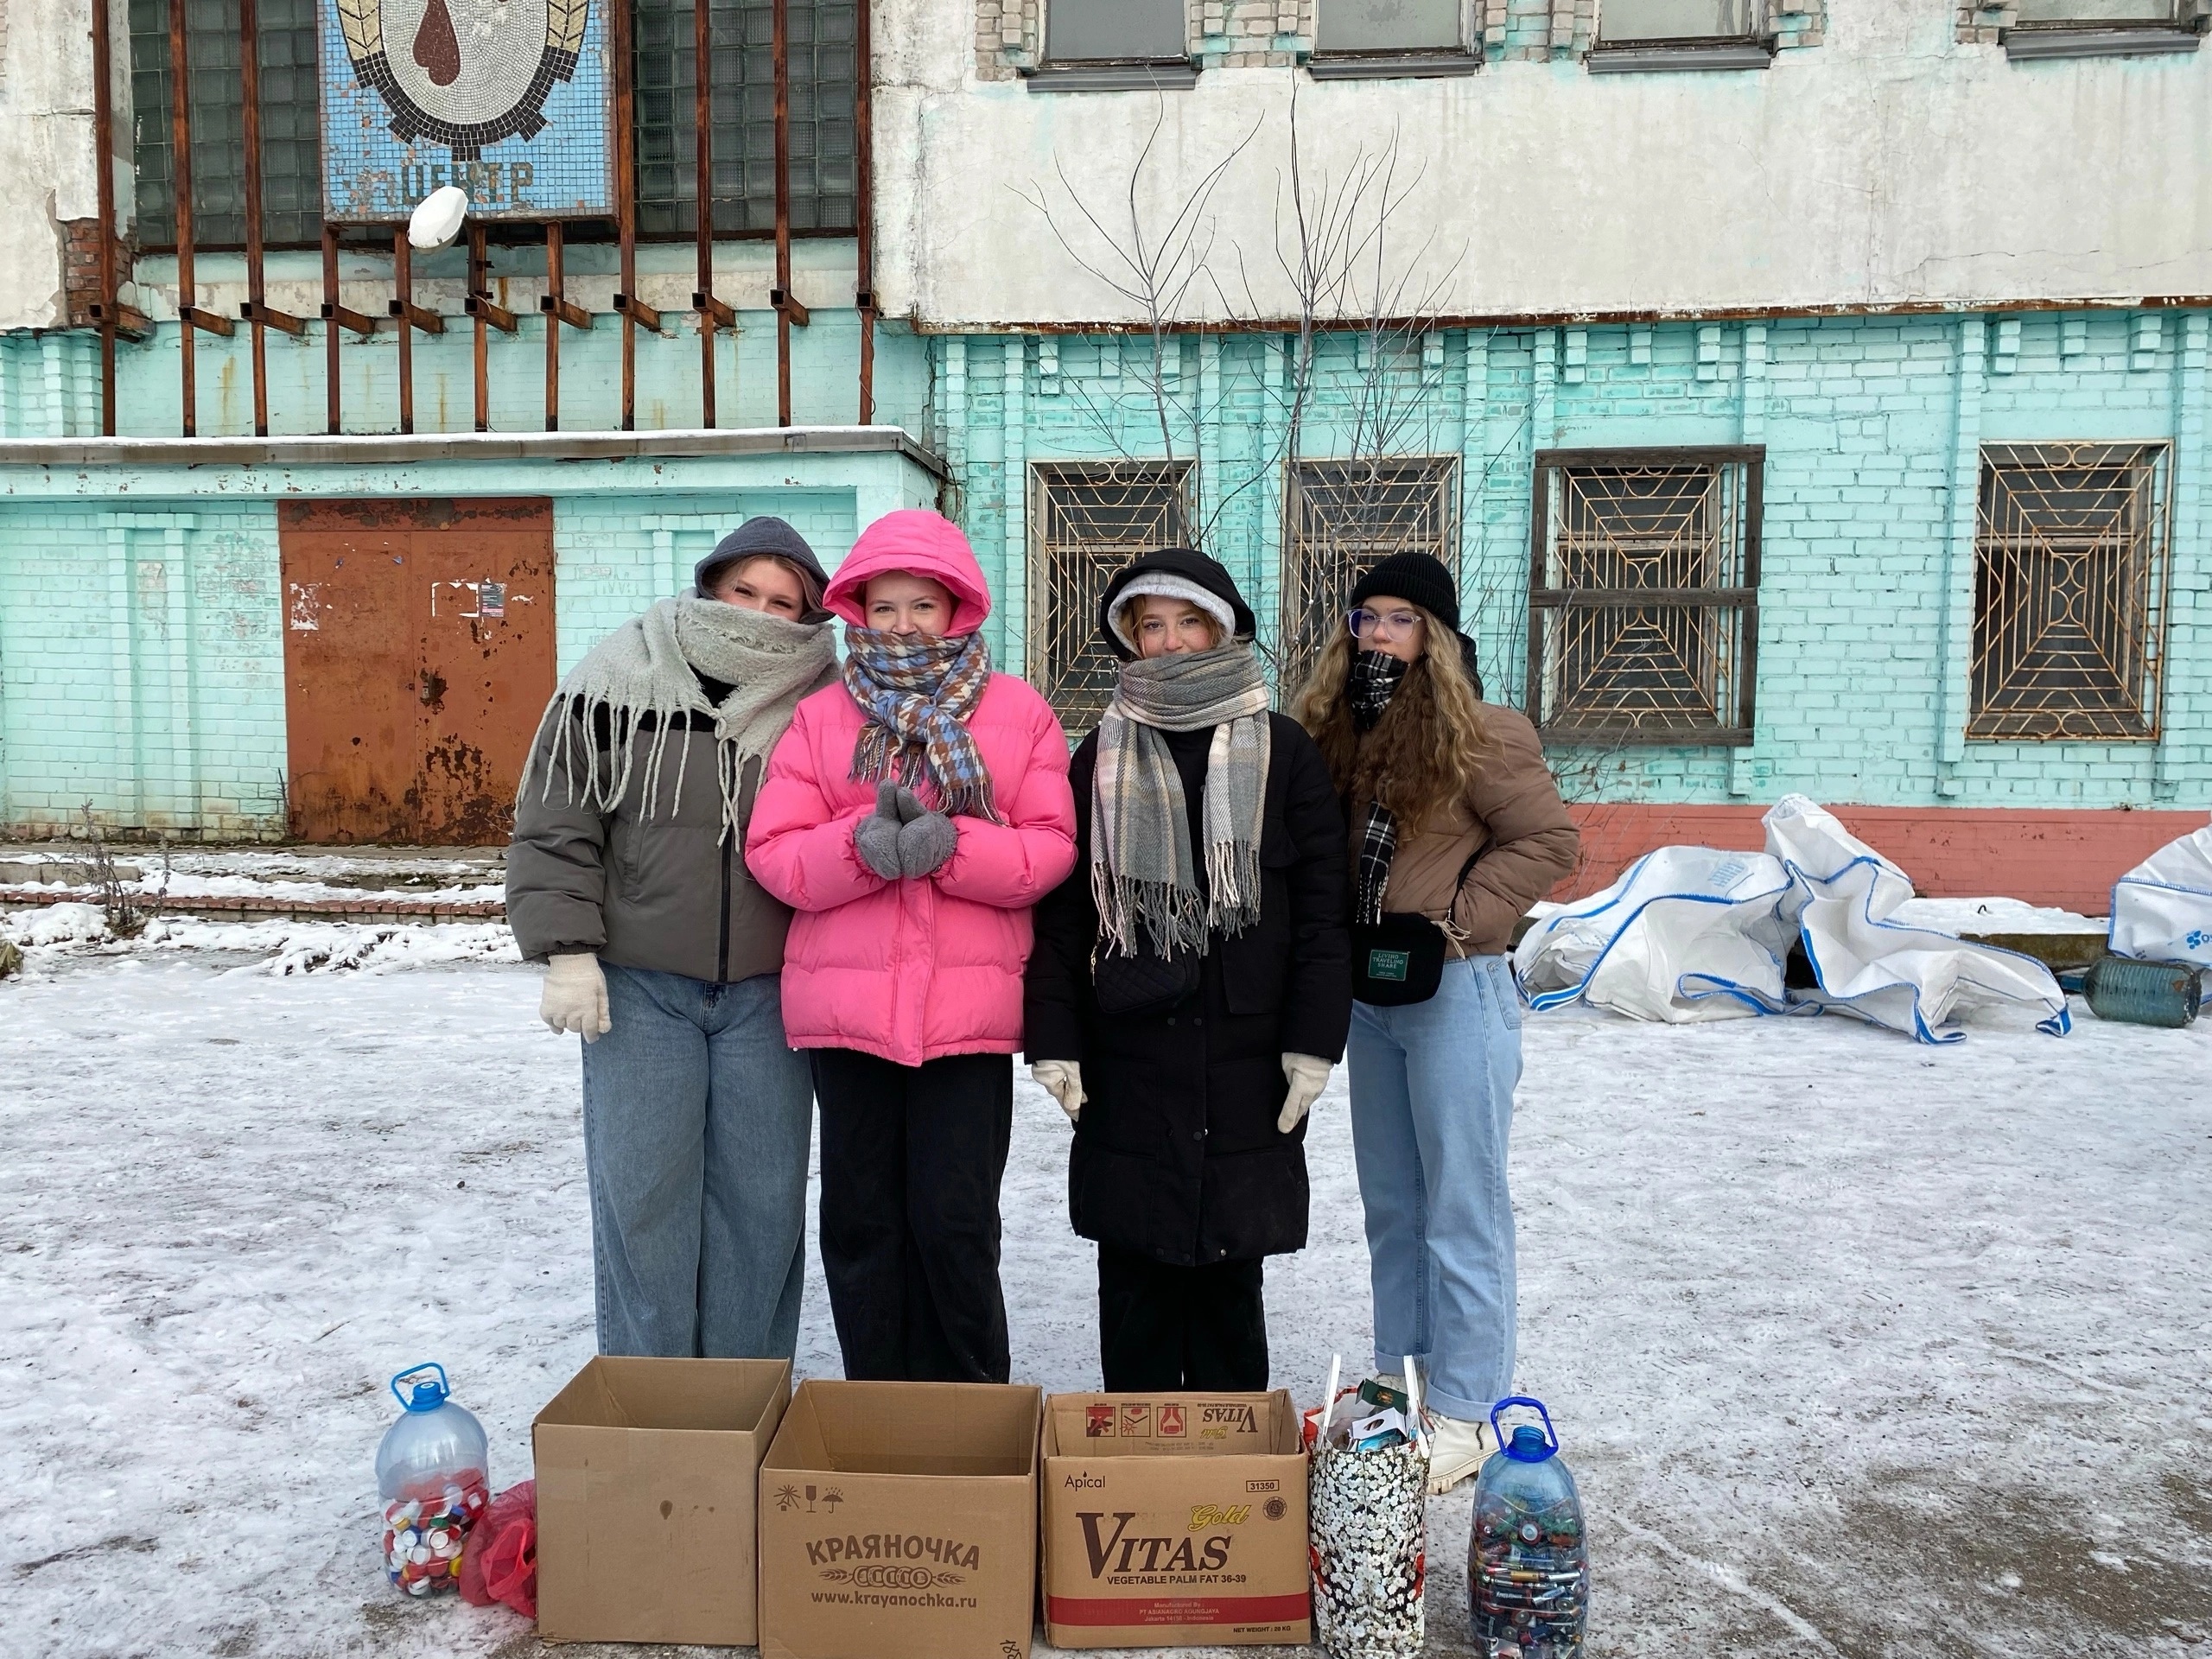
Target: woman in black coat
[1190, 987]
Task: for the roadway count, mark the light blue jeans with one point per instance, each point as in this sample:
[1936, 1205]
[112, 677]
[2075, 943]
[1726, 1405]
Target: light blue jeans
[1432, 1111]
[696, 1121]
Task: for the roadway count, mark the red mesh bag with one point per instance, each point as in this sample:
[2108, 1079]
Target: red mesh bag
[500, 1564]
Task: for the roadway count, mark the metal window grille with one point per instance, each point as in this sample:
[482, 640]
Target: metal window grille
[1086, 521]
[741, 35]
[1643, 594]
[291, 140]
[2071, 551]
[1343, 518]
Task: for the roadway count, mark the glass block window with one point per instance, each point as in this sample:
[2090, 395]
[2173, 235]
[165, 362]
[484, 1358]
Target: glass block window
[1115, 31]
[1343, 518]
[1625, 21]
[2072, 547]
[1644, 597]
[741, 39]
[1387, 26]
[1086, 521]
[291, 145]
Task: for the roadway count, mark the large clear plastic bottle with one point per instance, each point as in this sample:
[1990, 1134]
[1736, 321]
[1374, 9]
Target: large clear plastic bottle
[1528, 1562]
[434, 1474]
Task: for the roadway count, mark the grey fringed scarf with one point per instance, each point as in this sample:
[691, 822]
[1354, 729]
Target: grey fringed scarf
[650, 666]
[1143, 872]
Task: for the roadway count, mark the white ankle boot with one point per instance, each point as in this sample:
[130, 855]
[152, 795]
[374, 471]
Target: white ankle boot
[1457, 1448]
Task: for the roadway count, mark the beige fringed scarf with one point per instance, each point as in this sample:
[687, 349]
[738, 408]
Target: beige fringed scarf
[650, 666]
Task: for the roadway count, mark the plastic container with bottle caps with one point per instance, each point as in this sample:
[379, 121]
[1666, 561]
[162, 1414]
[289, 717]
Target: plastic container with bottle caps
[1527, 1558]
[434, 1474]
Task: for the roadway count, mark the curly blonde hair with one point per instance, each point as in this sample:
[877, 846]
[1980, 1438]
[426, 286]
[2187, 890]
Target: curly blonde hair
[1426, 750]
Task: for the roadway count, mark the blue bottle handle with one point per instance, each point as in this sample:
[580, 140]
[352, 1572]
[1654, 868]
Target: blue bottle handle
[1551, 1434]
[445, 1388]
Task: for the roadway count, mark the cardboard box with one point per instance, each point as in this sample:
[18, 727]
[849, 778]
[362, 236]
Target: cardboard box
[900, 1518]
[1174, 1520]
[647, 1486]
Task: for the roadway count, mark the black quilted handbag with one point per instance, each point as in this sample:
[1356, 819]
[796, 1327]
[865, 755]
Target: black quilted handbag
[1142, 984]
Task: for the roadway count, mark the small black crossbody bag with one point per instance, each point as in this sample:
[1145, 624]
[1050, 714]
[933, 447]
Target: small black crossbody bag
[1400, 958]
[1145, 983]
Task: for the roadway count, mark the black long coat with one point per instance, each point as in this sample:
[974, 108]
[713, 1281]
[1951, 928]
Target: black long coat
[1177, 1155]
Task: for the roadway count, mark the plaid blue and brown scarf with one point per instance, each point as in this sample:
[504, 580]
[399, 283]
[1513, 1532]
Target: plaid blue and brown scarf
[917, 695]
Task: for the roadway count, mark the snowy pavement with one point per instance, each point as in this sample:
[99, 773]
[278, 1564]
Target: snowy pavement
[1857, 1347]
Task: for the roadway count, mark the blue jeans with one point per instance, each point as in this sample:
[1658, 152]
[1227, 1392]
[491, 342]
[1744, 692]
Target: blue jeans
[696, 1123]
[1432, 1111]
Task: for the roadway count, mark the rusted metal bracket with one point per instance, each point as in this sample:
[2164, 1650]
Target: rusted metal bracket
[567, 310]
[414, 316]
[130, 322]
[344, 316]
[213, 322]
[480, 305]
[787, 304]
[638, 312]
[724, 314]
[256, 311]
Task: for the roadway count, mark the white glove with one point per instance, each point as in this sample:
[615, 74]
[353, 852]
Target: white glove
[1308, 1077]
[575, 996]
[1063, 1080]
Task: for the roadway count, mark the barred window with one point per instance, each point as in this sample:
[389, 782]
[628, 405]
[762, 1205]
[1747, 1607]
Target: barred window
[742, 37]
[1643, 594]
[291, 139]
[2071, 554]
[1086, 521]
[1345, 517]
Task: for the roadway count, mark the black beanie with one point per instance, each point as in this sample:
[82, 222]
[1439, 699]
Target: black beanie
[761, 538]
[1415, 576]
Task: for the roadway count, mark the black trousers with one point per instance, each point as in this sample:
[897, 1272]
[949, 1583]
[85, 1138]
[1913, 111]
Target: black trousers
[1164, 1327]
[912, 1159]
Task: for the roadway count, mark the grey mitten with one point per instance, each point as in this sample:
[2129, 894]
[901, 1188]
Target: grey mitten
[875, 838]
[925, 843]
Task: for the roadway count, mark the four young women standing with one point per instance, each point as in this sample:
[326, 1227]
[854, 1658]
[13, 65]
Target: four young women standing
[1189, 991]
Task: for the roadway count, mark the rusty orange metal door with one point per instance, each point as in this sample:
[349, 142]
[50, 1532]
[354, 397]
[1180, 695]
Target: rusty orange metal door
[419, 655]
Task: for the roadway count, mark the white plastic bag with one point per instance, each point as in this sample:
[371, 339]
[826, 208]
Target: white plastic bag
[1693, 933]
[2162, 909]
[1910, 979]
[1687, 933]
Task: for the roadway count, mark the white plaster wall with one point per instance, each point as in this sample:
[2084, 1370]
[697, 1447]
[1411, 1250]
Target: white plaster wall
[47, 174]
[1889, 166]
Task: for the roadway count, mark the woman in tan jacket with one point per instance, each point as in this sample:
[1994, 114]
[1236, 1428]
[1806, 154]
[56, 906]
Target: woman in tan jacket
[1454, 818]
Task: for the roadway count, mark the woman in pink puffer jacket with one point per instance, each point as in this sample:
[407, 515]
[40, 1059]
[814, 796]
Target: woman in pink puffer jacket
[912, 816]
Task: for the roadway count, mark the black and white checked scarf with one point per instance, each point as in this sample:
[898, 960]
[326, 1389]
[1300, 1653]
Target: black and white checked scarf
[1374, 679]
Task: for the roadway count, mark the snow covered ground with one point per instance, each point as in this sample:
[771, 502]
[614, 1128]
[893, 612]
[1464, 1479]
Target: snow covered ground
[1857, 1347]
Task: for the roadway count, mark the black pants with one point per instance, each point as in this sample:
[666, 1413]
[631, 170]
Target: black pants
[1167, 1327]
[912, 1158]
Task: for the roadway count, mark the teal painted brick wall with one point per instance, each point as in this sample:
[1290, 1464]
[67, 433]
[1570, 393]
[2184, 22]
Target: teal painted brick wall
[1873, 429]
[142, 646]
[142, 668]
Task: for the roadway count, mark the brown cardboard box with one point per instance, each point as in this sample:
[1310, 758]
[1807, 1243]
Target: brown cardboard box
[647, 1480]
[900, 1518]
[1174, 1520]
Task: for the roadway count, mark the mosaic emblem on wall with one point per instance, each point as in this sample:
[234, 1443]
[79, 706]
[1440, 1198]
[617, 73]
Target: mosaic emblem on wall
[509, 100]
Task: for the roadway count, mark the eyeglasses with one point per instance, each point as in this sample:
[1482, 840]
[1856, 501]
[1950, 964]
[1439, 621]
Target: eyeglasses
[1399, 625]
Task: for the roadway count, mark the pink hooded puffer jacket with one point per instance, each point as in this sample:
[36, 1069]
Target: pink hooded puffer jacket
[908, 970]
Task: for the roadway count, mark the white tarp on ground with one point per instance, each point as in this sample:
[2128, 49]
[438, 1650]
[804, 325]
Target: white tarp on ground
[1692, 933]
[2162, 909]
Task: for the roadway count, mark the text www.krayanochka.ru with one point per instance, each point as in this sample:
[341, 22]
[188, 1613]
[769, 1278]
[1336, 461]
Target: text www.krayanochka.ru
[887, 1598]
